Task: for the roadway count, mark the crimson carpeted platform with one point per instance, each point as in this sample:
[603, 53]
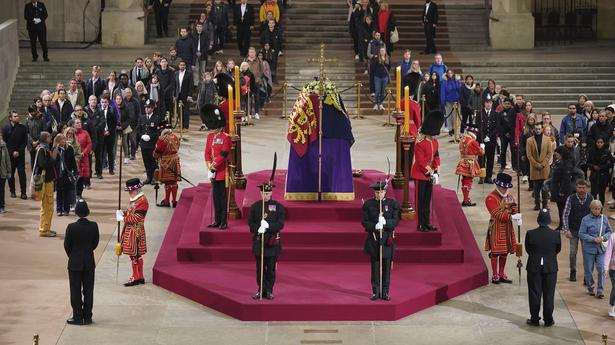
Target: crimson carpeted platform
[322, 273]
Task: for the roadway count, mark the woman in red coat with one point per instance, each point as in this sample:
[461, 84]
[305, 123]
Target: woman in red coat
[83, 138]
[386, 24]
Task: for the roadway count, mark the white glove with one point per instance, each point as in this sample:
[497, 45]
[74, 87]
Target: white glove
[210, 174]
[518, 218]
[145, 137]
[261, 230]
[379, 226]
[486, 139]
[576, 135]
[119, 215]
[382, 220]
[37, 20]
[482, 146]
[435, 178]
[264, 224]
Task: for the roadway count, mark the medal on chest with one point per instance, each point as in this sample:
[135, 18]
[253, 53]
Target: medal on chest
[218, 141]
[271, 208]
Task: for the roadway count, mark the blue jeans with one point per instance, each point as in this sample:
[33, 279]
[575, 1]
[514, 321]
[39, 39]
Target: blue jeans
[591, 260]
[380, 88]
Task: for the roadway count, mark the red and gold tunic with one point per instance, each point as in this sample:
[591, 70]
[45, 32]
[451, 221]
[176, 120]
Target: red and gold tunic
[217, 150]
[133, 237]
[166, 150]
[501, 233]
[426, 159]
[469, 150]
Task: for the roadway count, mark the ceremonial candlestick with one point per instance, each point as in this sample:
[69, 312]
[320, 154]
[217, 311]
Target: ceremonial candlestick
[237, 89]
[407, 211]
[398, 88]
[233, 210]
[231, 113]
[181, 120]
[239, 179]
[398, 179]
[407, 110]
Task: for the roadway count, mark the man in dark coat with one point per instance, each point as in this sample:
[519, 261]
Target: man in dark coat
[266, 219]
[166, 77]
[487, 134]
[161, 9]
[430, 21]
[542, 245]
[79, 243]
[109, 124]
[148, 133]
[35, 14]
[243, 19]
[183, 91]
[505, 126]
[16, 137]
[379, 217]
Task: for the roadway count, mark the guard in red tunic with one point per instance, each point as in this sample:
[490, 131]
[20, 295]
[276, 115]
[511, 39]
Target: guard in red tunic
[169, 170]
[468, 167]
[217, 151]
[223, 80]
[501, 233]
[133, 235]
[415, 124]
[425, 168]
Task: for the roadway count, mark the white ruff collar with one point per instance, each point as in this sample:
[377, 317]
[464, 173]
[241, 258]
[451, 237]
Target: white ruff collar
[137, 196]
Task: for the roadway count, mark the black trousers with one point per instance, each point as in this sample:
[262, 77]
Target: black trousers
[81, 293]
[219, 196]
[162, 21]
[269, 278]
[219, 37]
[539, 193]
[513, 153]
[2, 202]
[148, 161]
[430, 35]
[423, 201]
[598, 190]
[40, 34]
[386, 274]
[561, 204]
[488, 159]
[18, 164]
[109, 145]
[243, 40]
[541, 285]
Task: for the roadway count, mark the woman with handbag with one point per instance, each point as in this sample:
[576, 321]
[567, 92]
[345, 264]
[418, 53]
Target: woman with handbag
[84, 140]
[67, 175]
[387, 27]
[594, 232]
[44, 171]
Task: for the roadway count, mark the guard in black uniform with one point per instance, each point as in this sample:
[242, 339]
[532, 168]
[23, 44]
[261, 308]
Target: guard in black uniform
[376, 215]
[149, 132]
[35, 14]
[269, 222]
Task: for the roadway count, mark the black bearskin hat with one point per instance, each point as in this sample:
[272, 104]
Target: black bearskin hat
[212, 116]
[432, 123]
[223, 80]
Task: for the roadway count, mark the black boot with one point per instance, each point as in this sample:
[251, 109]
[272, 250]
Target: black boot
[573, 276]
[536, 206]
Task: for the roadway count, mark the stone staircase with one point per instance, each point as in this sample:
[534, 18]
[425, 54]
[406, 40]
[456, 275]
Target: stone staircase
[551, 86]
[460, 27]
[32, 78]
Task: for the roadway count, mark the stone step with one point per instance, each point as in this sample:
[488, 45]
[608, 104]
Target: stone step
[546, 77]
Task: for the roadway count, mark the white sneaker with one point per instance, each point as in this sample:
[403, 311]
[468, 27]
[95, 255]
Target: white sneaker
[375, 107]
[2, 210]
[126, 160]
[610, 202]
[524, 179]
[356, 57]
[612, 311]
[366, 72]
[256, 116]
[281, 53]
[244, 119]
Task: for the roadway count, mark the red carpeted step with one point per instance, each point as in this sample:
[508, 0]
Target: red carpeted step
[318, 291]
[293, 234]
[325, 253]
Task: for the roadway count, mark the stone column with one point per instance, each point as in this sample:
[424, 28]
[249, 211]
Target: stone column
[606, 24]
[121, 26]
[511, 24]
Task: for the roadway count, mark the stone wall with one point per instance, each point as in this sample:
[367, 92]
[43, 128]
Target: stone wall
[9, 62]
[66, 19]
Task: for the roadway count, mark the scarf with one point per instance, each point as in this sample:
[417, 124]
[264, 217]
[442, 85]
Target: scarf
[153, 94]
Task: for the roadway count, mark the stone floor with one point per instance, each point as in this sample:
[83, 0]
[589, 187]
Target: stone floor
[35, 289]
